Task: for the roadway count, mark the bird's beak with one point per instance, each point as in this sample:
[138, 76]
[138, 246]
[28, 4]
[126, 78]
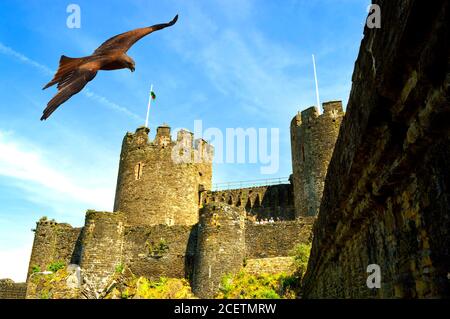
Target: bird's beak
[132, 68]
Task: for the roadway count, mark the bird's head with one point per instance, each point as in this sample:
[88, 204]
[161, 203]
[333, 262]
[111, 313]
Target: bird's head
[129, 63]
[132, 66]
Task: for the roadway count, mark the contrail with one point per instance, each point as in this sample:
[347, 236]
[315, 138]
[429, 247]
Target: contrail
[88, 93]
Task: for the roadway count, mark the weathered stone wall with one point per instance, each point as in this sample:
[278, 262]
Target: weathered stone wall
[387, 193]
[102, 242]
[11, 290]
[220, 247]
[64, 284]
[273, 265]
[158, 182]
[54, 242]
[277, 239]
[313, 136]
[161, 250]
[261, 202]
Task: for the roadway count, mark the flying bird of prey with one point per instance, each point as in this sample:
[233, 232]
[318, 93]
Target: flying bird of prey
[74, 73]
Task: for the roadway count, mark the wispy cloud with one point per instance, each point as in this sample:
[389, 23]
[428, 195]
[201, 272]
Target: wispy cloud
[86, 92]
[244, 65]
[26, 164]
[24, 59]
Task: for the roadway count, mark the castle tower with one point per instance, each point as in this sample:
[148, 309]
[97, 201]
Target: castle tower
[53, 242]
[103, 241]
[313, 137]
[159, 181]
[220, 247]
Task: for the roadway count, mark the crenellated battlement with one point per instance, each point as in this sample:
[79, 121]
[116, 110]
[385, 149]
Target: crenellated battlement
[185, 148]
[260, 202]
[311, 115]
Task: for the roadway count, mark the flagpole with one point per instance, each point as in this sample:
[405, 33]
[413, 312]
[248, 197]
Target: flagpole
[149, 104]
[317, 85]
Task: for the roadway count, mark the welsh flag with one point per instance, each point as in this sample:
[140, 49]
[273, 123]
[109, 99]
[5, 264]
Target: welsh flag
[153, 95]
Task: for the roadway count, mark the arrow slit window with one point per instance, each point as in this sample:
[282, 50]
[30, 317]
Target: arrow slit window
[138, 170]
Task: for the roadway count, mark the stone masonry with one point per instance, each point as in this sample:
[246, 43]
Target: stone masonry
[313, 136]
[387, 193]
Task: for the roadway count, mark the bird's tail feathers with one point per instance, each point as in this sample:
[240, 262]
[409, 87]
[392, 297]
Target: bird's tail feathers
[66, 65]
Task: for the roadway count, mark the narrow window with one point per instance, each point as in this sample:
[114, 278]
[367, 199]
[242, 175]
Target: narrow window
[303, 153]
[138, 171]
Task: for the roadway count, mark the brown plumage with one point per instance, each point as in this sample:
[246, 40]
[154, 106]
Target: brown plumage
[74, 73]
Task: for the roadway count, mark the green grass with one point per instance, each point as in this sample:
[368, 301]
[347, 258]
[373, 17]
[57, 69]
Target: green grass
[55, 266]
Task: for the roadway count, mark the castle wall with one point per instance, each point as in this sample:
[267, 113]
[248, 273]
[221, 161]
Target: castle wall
[158, 182]
[261, 202]
[312, 142]
[220, 247]
[54, 242]
[387, 193]
[277, 239]
[160, 250]
[102, 241]
[11, 290]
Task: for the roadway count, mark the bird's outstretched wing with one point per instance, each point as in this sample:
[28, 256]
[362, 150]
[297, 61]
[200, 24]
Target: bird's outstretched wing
[71, 85]
[124, 41]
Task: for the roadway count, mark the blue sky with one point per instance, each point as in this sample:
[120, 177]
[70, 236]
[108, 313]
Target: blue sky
[229, 63]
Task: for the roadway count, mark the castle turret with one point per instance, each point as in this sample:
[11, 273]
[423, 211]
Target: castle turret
[159, 181]
[220, 247]
[313, 137]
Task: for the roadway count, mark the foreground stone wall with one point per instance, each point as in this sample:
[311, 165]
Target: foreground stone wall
[387, 193]
[277, 239]
[11, 290]
[261, 202]
[54, 242]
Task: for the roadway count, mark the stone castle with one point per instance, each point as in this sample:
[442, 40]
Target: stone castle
[378, 192]
[167, 221]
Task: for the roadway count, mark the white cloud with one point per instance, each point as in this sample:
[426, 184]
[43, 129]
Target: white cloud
[25, 163]
[86, 92]
[14, 263]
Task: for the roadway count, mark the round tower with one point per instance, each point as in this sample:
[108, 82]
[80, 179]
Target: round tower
[313, 137]
[158, 182]
[220, 247]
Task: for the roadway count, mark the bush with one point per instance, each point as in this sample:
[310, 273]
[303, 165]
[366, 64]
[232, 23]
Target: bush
[55, 266]
[247, 286]
[35, 269]
[164, 288]
[301, 257]
[158, 249]
[119, 268]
